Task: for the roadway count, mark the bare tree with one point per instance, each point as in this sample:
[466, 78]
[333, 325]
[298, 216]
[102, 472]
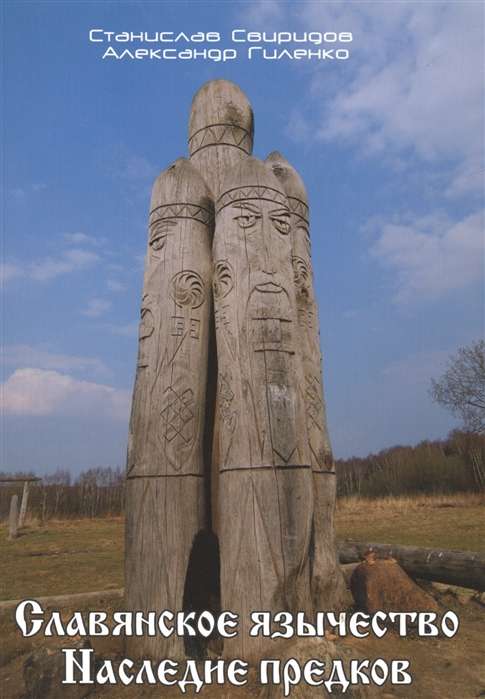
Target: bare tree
[461, 389]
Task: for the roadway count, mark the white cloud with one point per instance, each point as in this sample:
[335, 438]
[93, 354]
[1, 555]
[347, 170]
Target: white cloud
[48, 268]
[261, 12]
[39, 392]
[469, 176]
[71, 261]
[42, 358]
[80, 239]
[9, 271]
[433, 255]
[129, 166]
[97, 307]
[414, 82]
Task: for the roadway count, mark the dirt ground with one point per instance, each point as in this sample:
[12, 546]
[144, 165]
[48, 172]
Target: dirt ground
[441, 668]
[85, 555]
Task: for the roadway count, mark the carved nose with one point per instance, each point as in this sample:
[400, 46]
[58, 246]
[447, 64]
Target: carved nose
[267, 262]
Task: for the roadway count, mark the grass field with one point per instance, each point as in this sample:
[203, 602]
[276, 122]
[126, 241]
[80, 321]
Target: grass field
[70, 556]
[445, 521]
[65, 557]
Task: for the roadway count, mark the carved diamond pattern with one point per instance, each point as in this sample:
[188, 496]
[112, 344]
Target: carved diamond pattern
[178, 415]
[314, 404]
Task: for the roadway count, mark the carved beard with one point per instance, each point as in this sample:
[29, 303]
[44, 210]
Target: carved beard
[271, 349]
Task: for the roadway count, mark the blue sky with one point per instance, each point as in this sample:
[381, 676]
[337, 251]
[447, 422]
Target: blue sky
[389, 142]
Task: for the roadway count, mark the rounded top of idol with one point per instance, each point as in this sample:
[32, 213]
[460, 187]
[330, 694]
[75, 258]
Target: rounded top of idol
[180, 192]
[292, 184]
[221, 115]
[251, 178]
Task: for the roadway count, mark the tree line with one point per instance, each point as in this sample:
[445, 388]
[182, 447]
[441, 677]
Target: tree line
[97, 492]
[455, 464]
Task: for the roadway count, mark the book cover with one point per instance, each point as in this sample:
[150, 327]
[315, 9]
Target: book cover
[363, 130]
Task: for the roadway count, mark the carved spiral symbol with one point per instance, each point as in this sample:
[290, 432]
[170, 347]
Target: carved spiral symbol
[223, 279]
[188, 289]
[301, 272]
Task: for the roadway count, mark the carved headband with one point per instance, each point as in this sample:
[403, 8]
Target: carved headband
[221, 135]
[299, 208]
[251, 192]
[185, 210]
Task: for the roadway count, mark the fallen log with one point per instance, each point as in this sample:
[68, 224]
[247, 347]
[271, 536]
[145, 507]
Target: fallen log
[462, 568]
[81, 599]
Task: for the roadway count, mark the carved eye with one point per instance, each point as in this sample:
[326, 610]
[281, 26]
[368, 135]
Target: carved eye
[159, 234]
[281, 223]
[147, 325]
[246, 220]
[158, 243]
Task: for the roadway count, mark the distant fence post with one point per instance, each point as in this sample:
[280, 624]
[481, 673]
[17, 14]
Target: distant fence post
[13, 517]
[19, 517]
[23, 506]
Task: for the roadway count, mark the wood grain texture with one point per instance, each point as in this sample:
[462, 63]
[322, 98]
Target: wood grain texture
[328, 587]
[13, 517]
[265, 487]
[463, 568]
[250, 457]
[24, 504]
[165, 494]
[221, 130]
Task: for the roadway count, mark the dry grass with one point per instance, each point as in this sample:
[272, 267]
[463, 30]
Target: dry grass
[68, 556]
[445, 521]
[62, 557]
[71, 556]
[405, 503]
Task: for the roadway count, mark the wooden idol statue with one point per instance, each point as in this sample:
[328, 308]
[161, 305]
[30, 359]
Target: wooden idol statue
[230, 477]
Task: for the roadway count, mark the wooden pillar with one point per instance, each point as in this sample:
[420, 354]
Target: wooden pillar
[328, 586]
[271, 450]
[221, 130]
[13, 517]
[23, 506]
[165, 496]
[265, 487]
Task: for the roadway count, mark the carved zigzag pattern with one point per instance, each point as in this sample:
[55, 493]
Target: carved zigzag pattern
[183, 210]
[299, 208]
[221, 135]
[251, 192]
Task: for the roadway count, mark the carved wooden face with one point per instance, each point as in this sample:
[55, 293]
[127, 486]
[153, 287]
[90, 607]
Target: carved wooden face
[160, 233]
[301, 239]
[167, 234]
[146, 328]
[302, 267]
[264, 228]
